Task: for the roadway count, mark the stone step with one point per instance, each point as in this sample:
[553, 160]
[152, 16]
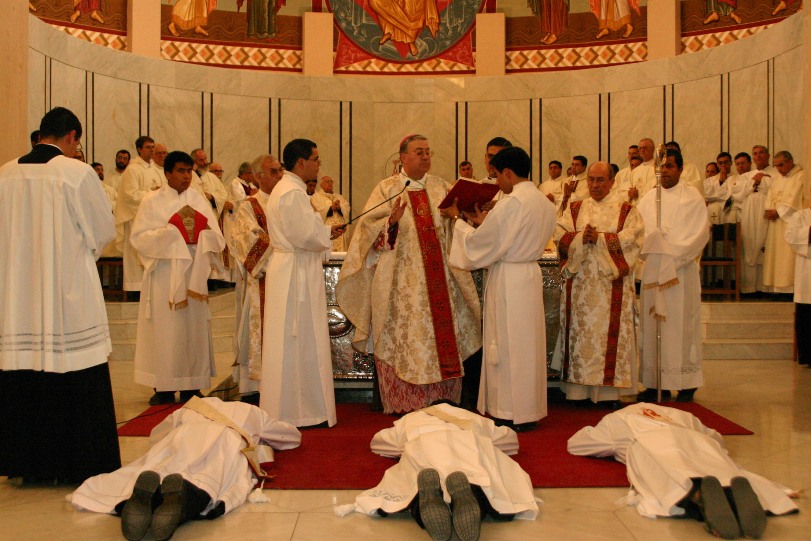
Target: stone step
[745, 331]
[763, 349]
[711, 311]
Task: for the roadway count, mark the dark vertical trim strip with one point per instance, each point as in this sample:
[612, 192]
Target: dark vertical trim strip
[279, 126]
[729, 113]
[672, 112]
[140, 108]
[540, 134]
[270, 128]
[92, 129]
[148, 103]
[768, 102]
[772, 109]
[340, 147]
[664, 113]
[467, 110]
[50, 84]
[202, 120]
[456, 131]
[349, 182]
[721, 124]
[531, 149]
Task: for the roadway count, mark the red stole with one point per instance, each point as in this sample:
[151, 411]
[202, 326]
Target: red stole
[256, 253]
[190, 223]
[439, 300]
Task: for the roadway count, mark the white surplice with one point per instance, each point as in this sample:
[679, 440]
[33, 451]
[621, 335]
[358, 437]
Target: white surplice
[111, 250]
[55, 222]
[664, 450]
[684, 233]
[598, 322]
[753, 226]
[786, 197]
[138, 179]
[797, 235]
[173, 348]
[250, 245]
[113, 179]
[554, 187]
[643, 178]
[296, 381]
[691, 176]
[205, 452]
[716, 195]
[509, 244]
[449, 439]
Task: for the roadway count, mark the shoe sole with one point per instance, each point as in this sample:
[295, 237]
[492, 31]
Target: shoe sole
[172, 492]
[435, 515]
[751, 516]
[136, 516]
[467, 519]
[718, 515]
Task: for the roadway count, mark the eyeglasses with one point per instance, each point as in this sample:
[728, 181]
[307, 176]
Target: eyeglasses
[423, 153]
[317, 160]
[215, 171]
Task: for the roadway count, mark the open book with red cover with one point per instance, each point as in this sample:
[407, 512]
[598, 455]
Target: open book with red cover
[190, 223]
[469, 194]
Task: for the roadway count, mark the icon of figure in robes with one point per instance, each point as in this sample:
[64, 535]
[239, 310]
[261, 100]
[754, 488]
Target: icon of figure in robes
[404, 22]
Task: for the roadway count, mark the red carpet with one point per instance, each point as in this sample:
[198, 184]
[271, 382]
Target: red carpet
[145, 422]
[339, 457]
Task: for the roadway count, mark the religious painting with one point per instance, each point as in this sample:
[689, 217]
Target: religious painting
[711, 15]
[96, 14]
[412, 31]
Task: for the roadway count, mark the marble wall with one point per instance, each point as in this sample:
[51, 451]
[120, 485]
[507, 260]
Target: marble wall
[727, 98]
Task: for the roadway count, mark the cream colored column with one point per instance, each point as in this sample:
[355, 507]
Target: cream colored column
[664, 29]
[490, 44]
[317, 44]
[14, 90]
[144, 27]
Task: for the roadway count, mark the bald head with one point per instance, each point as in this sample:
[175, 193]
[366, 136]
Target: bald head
[327, 184]
[600, 180]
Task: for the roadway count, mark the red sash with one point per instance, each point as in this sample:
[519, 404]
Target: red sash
[436, 281]
[256, 253]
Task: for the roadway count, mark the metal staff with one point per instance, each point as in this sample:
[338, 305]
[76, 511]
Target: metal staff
[659, 159]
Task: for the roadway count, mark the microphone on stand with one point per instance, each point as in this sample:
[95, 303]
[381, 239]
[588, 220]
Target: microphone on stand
[407, 182]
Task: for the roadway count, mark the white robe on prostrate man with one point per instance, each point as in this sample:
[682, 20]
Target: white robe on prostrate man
[296, 381]
[509, 243]
[173, 349]
[204, 451]
[664, 449]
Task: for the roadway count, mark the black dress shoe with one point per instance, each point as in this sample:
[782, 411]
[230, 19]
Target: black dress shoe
[162, 397]
[467, 518]
[649, 395]
[185, 396]
[137, 513]
[169, 514]
[434, 513]
[686, 395]
[747, 508]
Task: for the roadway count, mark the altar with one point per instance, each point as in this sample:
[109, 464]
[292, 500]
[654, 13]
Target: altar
[351, 368]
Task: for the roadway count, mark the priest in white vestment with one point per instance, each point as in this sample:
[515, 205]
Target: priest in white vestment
[552, 187]
[178, 239]
[599, 242]
[671, 289]
[798, 235]
[784, 198]
[58, 416]
[643, 177]
[333, 209]
[240, 187]
[296, 384]
[203, 442]
[718, 191]
[214, 191]
[749, 193]
[493, 147]
[250, 245]
[421, 318]
[122, 160]
[690, 174]
[509, 241]
[450, 439]
[665, 449]
[140, 178]
[575, 188]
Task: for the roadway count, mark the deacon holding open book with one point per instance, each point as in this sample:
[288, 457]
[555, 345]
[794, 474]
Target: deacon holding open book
[179, 242]
[508, 241]
[420, 317]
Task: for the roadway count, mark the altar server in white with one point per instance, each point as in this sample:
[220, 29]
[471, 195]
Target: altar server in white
[203, 463]
[139, 178]
[671, 290]
[798, 235]
[718, 191]
[296, 360]
[58, 418]
[178, 239]
[749, 192]
[508, 241]
[468, 452]
[665, 450]
[784, 198]
[333, 208]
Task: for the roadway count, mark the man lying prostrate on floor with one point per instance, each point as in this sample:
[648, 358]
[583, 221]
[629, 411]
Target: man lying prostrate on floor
[203, 463]
[677, 467]
[448, 454]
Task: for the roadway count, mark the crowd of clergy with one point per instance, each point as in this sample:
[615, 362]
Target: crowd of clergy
[407, 287]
